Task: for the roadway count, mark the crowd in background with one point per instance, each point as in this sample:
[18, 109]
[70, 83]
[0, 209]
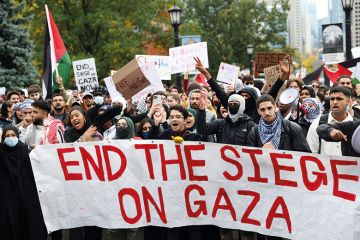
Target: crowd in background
[246, 113]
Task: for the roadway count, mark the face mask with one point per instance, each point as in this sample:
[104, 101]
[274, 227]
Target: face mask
[146, 134]
[99, 100]
[11, 141]
[233, 109]
[122, 132]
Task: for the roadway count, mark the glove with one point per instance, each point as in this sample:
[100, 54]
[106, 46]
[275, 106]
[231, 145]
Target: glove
[177, 139]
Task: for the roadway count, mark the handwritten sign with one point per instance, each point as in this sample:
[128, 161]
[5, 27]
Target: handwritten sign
[267, 59]
[131, 183]
[227, 73]
[85, 74]
[162, 64]
[132, 78]
[272, 74]
[182, 58]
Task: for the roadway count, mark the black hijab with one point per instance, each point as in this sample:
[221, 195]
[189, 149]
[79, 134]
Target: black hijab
[72, 134]
[11, 157]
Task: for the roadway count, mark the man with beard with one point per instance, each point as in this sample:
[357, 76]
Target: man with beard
[58, 106]
[45, 129]
[88, 100]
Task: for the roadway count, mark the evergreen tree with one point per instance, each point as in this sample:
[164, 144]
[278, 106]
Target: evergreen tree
[16, 67]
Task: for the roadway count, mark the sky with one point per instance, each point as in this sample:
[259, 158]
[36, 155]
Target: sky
[321, 8]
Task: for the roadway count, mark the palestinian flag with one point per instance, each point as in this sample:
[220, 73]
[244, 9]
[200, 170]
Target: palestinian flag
[56, 59]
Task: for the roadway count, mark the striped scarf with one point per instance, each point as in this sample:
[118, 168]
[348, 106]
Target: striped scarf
[271, 132]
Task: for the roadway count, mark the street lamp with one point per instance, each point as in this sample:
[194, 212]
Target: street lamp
[347, 6]
[250, 52]
[175, 18]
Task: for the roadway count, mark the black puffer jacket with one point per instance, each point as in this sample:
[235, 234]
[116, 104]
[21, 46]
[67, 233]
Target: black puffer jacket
[232, 133]
[291, 139]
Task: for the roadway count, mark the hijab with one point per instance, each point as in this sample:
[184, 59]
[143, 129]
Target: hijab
[130, 129]
[72, 134]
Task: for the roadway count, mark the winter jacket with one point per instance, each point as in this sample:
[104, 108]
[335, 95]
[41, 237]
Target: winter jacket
[348, 128]
[291, 138]
[232, 133]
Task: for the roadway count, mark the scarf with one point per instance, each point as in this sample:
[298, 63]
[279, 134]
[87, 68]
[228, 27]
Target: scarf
[271, 132]
[312, 113]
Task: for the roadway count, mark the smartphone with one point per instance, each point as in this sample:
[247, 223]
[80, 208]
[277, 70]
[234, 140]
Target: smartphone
[158, 99]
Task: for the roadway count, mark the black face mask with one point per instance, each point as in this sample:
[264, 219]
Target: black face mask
[122, 132]
[233, 109]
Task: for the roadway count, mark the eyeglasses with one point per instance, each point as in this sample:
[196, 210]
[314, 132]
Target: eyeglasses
[146, 128]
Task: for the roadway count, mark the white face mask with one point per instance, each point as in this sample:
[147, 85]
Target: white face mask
[99, 100]
[11, 141]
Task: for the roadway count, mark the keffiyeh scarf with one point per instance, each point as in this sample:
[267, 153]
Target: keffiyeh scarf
[271, 132]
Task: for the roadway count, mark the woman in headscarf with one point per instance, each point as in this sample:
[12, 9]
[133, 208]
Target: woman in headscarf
[80, 130]
[125, 129]
[20, 214]
[313, 109]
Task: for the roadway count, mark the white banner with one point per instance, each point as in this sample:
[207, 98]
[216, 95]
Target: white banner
[162, 64]
[227, 73]
[182, 58]
[85, 74]
[129, 183]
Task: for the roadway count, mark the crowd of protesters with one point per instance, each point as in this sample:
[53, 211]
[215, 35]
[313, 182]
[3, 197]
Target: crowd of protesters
[246, 113]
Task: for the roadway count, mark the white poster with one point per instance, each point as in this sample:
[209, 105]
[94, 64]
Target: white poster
[162, 64]
[134, 183]
[227, 73]
[182, 58]
[85, 74]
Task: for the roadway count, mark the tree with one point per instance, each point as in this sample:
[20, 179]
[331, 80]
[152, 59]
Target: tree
[112, 32]
[16, 67]
[229, 26]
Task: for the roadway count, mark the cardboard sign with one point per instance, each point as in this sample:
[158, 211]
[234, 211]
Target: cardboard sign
[132, 183]
[272, 74]
[162, 64]
[85, 74]
[111, 87]
[182, 58]
[267, 59]
[2, 91]
[227, 73]
[132, 78]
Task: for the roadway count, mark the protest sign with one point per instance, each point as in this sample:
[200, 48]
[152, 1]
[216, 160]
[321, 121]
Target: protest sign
[85, 74]
[132, 183]
[182, 58]
[111, 87]
[154, 87]
[267, 59]
[333, 46]
[272, 74]
[132, 78]
[162, 64]
[227, 73]
[355, 52]
[2, 91]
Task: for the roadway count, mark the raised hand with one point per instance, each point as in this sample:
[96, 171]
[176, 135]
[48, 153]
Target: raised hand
[87, 136]
[285, 68]
[203, 99]
[200, 67]
[59, 81]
